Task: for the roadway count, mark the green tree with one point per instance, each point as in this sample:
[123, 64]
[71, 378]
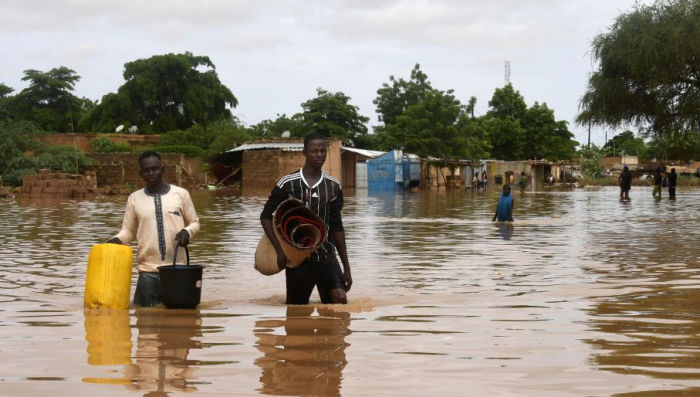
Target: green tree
[517, 132]
[684, 147]
[507, 108]
[626, 143]
[545, 137]
[436, 126]
[592, 161]
[397, 95]
[5, 97]
[215, 138]
[275, 128]
[331, 114]
[48, 101]
[165, 93]
[23, 154]
[648, 73]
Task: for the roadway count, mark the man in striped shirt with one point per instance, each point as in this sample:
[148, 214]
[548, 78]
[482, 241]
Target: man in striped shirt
[322, 194]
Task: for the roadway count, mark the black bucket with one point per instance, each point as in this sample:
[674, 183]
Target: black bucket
[181, 285]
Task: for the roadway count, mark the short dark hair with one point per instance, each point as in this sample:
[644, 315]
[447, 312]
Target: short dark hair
[314, 136]
[149, 153]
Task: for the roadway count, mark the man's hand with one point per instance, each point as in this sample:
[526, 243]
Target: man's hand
[115, 240]
[281, 260]
[183, 238]
[347, 277]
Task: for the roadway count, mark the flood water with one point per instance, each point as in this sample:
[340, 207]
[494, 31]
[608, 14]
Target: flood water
[583, 296]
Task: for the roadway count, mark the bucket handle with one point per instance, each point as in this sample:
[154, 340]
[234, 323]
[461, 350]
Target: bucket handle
[187, 252]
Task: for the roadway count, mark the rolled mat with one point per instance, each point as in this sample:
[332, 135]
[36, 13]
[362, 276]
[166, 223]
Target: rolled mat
[298, 230]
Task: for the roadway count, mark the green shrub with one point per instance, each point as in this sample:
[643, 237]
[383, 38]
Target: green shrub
[188, 151]
[104, 145]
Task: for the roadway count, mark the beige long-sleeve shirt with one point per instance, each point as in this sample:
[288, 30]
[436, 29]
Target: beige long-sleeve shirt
[141, 221]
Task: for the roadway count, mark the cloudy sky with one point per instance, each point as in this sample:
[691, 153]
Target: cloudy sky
[273, 54]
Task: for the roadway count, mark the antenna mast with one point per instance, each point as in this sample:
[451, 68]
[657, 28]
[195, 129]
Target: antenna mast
[507, 79]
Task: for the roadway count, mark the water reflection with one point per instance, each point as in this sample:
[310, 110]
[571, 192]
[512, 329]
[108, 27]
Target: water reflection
[108, 334]
[162, 348]
[504, 230]
[309, 357]
[161, 363]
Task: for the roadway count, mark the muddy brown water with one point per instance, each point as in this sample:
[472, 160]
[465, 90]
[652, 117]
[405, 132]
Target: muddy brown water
[583, 296]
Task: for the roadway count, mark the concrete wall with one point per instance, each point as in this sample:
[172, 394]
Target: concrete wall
[443, 177]
[503, 168]
[263, 168]
[349, 161]
[82, 141]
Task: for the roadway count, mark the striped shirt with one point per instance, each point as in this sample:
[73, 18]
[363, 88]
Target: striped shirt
[325, 198]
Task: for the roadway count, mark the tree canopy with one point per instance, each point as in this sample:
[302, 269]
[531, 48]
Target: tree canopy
[164, 93]
[48, 100]
[648, 73]
[331, 114]
[626, 143]
[517, 132]
[395, 97]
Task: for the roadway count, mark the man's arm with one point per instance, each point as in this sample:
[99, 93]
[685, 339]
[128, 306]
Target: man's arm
[510, 214]
[337, 230]
[339, 240]
[129, 225]
[189, 215]
[276, 197]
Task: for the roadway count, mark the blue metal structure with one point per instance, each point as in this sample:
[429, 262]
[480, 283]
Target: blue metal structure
[381, 173]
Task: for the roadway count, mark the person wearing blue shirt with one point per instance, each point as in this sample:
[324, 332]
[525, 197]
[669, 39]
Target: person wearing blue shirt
[504, 210]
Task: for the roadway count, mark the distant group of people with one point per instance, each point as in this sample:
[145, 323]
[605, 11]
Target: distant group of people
[479, 182]
[661, 180]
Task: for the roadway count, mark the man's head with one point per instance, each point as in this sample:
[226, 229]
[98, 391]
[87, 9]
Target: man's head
[506, 190]
[673, 170]
[315, 150]
[152, 169]
[625, 168]
[658, 170]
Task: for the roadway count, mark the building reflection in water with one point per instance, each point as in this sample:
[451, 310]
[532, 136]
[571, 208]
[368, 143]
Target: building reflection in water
[165, 338]
[309, 357]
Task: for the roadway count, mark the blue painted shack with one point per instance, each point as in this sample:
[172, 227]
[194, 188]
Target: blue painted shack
[384, 172]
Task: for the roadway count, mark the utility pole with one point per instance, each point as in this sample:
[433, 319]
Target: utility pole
[589, 134]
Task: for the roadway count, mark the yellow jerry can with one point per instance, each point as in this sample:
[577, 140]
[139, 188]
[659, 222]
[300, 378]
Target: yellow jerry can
[108, 282]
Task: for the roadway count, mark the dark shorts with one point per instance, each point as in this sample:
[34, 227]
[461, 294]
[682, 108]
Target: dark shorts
[147, 290]
[325, 275]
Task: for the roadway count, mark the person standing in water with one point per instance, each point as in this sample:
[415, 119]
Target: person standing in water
[625, 183]
[322, 194]
[657, 182]
[523, 182]
[161, 218]
[672, 177]
[504, 209]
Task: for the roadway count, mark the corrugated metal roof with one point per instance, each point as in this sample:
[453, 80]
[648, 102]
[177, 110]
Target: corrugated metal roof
[367, 153]
[287, 147]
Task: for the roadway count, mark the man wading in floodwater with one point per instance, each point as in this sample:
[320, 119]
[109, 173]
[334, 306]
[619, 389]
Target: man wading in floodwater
[159, 217]
[320, 193]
